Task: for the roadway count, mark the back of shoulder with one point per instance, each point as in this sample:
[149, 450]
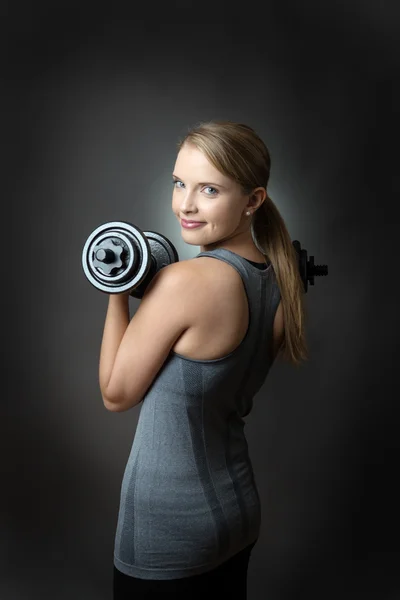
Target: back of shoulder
[186, 277]
[215, 270]
[207, 279]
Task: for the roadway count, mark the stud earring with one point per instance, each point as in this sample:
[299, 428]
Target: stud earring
[248, 214]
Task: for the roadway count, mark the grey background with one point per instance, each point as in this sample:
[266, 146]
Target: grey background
[94, 101]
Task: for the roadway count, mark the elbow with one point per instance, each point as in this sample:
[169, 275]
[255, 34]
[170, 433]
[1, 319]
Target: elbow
[110, 405]
[112, 398]
[117, 405]
[118, 402]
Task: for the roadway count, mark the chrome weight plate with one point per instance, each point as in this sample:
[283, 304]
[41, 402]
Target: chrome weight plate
[116, 257]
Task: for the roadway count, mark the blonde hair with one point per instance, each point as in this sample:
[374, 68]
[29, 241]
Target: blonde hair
[238, 152]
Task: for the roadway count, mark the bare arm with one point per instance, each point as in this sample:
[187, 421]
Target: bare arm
[116, 324]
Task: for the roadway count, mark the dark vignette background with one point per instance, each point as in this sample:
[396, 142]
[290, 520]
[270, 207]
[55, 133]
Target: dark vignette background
[94, 100]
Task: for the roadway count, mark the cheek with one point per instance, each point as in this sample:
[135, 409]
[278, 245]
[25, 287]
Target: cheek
[223, 217]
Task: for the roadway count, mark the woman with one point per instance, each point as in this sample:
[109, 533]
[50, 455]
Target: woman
[196, 352]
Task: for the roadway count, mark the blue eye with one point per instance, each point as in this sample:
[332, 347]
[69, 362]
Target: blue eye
[174, 181]
[211, 188]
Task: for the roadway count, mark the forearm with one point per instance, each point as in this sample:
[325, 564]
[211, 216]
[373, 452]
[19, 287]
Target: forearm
[117, 321]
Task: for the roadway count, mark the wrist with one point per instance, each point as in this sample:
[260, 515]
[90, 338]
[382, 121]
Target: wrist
[124, 297]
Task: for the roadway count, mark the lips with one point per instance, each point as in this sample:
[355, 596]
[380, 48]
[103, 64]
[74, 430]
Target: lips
[191, 224]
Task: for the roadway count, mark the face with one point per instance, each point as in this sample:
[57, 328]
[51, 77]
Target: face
[202, 193]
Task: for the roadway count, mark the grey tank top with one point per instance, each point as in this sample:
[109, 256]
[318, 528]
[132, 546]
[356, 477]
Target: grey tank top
[189, 499]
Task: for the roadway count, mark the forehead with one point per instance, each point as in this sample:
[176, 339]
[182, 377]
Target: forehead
[191, 162]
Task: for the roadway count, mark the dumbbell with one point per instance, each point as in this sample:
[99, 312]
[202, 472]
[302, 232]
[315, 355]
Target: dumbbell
[308, 270]
[118, 257]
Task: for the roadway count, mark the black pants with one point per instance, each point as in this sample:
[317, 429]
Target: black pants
[229, 578]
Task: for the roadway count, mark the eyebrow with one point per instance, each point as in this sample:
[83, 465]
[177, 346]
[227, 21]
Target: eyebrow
[203, 182]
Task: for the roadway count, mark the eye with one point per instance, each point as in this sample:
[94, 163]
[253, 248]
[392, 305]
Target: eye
[211, 188]
[208, 187]
[174, 181]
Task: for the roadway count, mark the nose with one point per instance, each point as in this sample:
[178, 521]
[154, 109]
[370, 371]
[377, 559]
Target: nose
[188, 204]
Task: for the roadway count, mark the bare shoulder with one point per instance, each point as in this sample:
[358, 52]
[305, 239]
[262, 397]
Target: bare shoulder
[209, 281]
[186, 277]
[215, 270]
[219, 289]
[184, 271]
